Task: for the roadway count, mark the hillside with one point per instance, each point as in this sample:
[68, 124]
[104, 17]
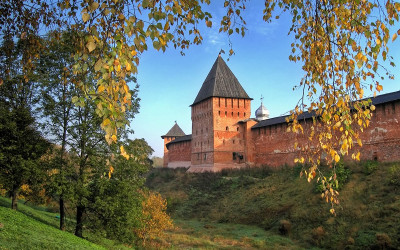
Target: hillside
[33, 227]
[281, 203]
[19, 231]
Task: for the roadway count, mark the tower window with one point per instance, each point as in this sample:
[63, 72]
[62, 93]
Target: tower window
[219, 112]
[238, 114]
[226, 102]
[244, 114]
[237, 129]
[233, 141]
[225, 113]
[232, 114]
[227, 128]
[232, 102]
[238, 102]
[205, 156]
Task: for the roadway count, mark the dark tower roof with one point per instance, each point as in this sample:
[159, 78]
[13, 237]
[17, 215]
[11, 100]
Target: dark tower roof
[220, 82]
[175, 131]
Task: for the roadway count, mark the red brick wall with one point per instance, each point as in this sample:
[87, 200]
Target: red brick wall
[229, 135]
[274, 146]
[381, 140]
[179, 151]
[202, 136]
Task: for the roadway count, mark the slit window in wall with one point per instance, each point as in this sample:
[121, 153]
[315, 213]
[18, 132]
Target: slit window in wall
[227, 128]
[375, 156]
[205, 156]
[219, 112]
[234, 156]
[233, 141]
[225, 113]
[232, 114]
[226, 102]
[237, 129]
[238, 102]
[244, 114]
[238, 114]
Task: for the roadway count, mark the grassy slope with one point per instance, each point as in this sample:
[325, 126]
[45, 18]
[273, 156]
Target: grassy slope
[35, 228]
[22, 232]
[368, 216]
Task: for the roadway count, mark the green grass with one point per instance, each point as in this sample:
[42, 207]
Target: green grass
[367, 217]
[19, 231]
[191, 234]
[32, 227]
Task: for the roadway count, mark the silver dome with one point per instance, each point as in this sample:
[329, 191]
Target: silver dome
[262, 113]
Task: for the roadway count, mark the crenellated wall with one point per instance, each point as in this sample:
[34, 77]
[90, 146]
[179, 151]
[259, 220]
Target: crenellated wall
[274, 146]
[224, 137]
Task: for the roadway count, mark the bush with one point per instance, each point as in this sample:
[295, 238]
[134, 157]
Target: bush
[342, 176]
[285, 227]
[383, 241]
[154, 220]
[394, 175]
[369, 167]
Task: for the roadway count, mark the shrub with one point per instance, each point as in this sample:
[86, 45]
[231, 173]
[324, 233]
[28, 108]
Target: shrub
[383, 241]
[154, 219]
[394, 175]
[318, 235]
[285, 227]
[369, 167]
[342, 176]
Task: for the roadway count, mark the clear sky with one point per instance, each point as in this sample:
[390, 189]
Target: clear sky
[170, 82]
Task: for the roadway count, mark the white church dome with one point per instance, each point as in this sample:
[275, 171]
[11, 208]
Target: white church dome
[262, 113]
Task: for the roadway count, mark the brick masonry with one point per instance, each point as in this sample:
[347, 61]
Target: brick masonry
[220, 131]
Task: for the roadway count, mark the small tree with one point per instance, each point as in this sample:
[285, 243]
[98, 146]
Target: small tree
[154, 220]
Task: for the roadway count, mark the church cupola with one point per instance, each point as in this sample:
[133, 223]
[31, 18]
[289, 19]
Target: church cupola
[262, 113]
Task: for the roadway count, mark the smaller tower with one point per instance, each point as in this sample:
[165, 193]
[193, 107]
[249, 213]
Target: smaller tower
[262, 113]
[173, 133]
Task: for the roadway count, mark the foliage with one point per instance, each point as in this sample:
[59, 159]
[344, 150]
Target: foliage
[115, 203]
[394, 174]
[154, 220]
[335, 182]
[21, 147]
[370, 167]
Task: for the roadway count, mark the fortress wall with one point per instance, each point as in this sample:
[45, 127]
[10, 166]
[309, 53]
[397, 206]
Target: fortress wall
[274, 146]
[381, 140]
[179, 152]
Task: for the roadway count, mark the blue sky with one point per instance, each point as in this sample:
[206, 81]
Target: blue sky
[170, 82]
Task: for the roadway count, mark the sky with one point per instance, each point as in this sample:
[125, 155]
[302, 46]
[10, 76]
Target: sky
[169, 82]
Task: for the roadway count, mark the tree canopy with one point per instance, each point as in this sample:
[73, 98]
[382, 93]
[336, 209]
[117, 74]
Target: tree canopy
[340, 45]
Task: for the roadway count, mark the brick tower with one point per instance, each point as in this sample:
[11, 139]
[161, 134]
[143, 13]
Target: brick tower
[221, 103]
[173, 133]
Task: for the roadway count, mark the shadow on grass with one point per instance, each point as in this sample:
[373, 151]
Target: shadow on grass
[36, 213]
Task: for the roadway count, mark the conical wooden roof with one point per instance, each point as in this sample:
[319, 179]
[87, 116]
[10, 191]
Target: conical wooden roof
[220, 82]
[175, 131]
